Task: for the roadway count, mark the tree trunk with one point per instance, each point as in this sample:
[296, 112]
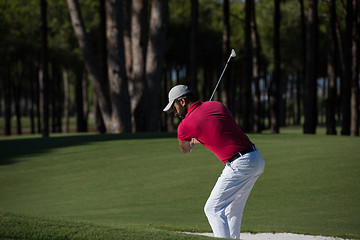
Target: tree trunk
[301, 76]
[194, 46]
[52, 98]
[276, 79]
[340, 52]
[256, 71]
[80, 126]
[137, 83]
[17, 93]
[282, 100]
[17, 112]
[164, 97]
[55, 89]
[331, 71]
[154, 61]
[291, 112]
[90, 63]
[99, 122]
[127, 36]
[38, 110]
[169, 118]
[310, 97]
[59, 100]
[246, 100]
[43, 73]
[340, 69]
[121, 120]
[208, 75]
[7, 102]
[346, 81]
[354, 125]
[226, 51]
[66, 101]
[32, 105]
[85, 100]
[298, 98]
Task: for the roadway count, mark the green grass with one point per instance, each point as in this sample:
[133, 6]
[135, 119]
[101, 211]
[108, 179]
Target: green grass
[14, 226]
[126, 184]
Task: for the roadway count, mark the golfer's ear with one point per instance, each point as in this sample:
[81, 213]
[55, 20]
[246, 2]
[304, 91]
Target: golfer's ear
[182, 101]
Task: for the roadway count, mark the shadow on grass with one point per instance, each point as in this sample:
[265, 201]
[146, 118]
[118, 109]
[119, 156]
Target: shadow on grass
[12, 148]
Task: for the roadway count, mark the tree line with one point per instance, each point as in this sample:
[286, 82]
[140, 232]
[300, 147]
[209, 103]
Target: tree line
[113, 62]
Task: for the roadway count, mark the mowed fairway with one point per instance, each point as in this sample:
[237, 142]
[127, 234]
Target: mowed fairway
[310, 185]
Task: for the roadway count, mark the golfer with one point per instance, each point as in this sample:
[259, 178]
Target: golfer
[212, 125]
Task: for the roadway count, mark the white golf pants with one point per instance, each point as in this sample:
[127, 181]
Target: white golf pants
[226, 203]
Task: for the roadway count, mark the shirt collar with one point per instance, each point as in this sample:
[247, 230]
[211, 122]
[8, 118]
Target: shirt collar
[193, 107]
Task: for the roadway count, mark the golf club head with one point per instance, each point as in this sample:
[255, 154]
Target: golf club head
[233, 54]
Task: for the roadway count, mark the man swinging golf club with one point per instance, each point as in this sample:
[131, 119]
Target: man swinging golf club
[212, 124]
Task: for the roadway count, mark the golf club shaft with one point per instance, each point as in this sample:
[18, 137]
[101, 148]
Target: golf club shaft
[212, 95]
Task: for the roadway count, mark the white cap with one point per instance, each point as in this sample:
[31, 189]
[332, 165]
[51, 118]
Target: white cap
[175, 93]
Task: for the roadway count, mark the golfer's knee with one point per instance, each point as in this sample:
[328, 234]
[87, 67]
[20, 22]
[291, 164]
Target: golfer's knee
[209, 210]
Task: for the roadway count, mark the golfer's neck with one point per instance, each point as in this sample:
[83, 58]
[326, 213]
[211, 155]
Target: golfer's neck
[189, 105]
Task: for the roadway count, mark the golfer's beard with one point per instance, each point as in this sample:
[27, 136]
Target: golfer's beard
[182, 112]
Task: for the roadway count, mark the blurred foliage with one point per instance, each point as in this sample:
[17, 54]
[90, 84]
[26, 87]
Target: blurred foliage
[20, 24]
[20, 39]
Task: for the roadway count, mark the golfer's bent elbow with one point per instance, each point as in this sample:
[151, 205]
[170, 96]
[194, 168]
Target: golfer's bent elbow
[184, 147]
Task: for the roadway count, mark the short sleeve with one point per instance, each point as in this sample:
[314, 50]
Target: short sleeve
[183, 135]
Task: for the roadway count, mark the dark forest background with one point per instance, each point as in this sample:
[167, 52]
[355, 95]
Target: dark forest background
[112, 63]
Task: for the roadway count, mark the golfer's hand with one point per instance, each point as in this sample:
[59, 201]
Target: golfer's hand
[195, 141]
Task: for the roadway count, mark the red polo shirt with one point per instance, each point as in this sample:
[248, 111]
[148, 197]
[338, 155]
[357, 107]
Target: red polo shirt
[214, 126]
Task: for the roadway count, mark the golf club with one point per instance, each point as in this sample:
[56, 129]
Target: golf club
[233, 54]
